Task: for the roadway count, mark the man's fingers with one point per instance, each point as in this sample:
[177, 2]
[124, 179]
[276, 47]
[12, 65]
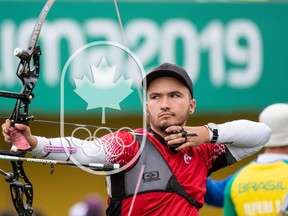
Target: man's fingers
[173, 129]
[8, 131]
[184, 145]
[174, 139]
[5, 130]
[21, 127]
[7, 138]
[5, 127]
[7, 123]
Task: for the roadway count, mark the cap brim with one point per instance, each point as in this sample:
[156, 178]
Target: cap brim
[162, 73]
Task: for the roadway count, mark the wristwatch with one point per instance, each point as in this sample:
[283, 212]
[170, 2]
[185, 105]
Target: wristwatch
[214, 129]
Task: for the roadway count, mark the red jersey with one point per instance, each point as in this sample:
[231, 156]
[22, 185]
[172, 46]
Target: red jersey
[190, 166]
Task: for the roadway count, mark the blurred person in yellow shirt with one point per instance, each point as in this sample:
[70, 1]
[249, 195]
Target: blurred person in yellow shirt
[260, 187]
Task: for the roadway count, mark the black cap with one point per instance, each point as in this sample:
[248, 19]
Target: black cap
[169, 70]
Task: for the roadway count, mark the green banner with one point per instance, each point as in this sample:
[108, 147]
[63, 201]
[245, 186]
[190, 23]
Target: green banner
[235, 53]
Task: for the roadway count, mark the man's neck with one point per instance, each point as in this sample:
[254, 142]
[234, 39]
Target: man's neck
[159, 132]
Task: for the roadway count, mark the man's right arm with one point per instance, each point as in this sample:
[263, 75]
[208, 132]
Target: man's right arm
[243, 137]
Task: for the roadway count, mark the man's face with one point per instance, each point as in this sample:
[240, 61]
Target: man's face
[168, 103]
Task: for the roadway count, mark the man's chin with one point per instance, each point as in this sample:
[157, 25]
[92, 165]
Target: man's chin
[163, 126]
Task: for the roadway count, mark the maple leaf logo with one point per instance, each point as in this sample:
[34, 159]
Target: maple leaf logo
[103, 92]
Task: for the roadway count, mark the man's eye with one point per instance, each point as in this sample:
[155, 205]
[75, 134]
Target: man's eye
[153, 97]
[175, 95]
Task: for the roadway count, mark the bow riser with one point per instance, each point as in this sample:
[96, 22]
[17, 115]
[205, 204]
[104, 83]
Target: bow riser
[20, 186]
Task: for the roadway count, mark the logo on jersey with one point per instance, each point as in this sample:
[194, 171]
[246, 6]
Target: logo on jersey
[187, 158]
[150, 176]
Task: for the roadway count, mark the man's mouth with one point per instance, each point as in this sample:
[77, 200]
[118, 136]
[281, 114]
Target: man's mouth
[165, 114]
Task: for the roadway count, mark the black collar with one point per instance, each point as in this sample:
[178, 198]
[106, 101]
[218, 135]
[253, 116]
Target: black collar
[160, 138]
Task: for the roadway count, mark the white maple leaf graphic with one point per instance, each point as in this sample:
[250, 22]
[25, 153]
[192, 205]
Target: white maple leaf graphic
[102, 92]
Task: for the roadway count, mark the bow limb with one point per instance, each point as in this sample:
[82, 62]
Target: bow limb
[21, 187]
[28, 75]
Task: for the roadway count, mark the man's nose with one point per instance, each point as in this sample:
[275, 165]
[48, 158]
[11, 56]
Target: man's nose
[165, 104]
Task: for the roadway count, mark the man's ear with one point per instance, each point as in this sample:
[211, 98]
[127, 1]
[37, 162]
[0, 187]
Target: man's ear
[147, 109]
[192, 106]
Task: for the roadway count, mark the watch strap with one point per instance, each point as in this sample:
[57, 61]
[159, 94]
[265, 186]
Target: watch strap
[214, 129]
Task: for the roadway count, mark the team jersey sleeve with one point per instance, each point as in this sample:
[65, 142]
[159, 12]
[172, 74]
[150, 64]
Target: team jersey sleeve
[243, 137]
[237, 140]
[119, 147]
[70, 148]
[216, 156]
